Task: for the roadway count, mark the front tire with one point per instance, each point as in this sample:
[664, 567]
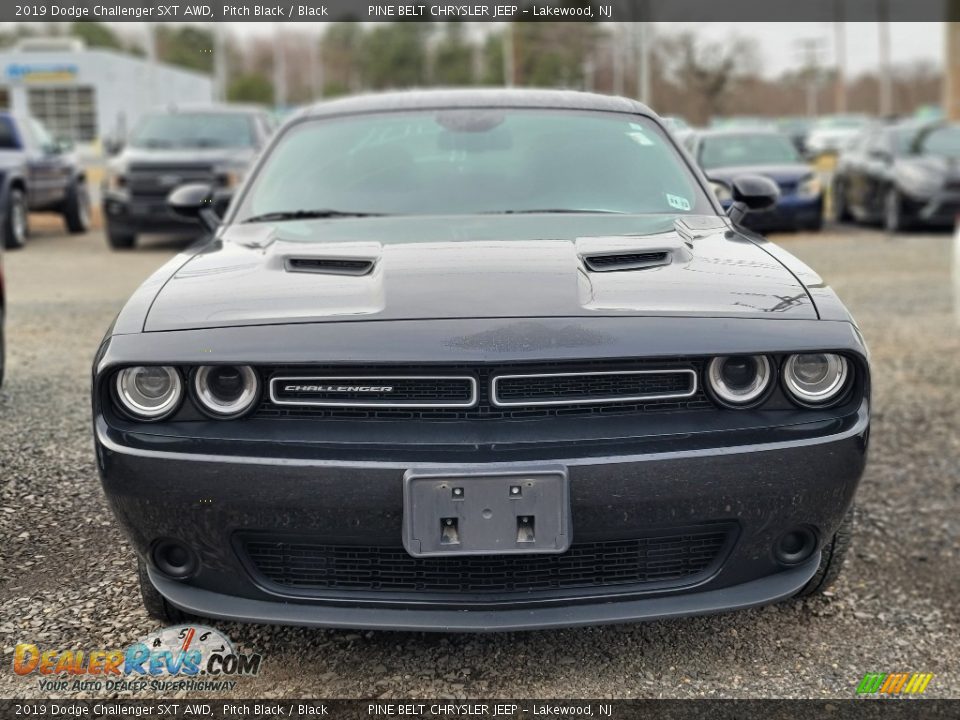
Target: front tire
[76, 208]
[156, 605]
[831, 559]
[15, 224]
[893, 219]
[118, 240]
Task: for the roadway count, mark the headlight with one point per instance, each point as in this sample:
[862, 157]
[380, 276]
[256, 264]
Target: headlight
[815, 378]
[721, 191]
[226, 391]
[810, 187]
[229, 176]
[149, 392]
[115, 180]
[918, 180]
[739, 380]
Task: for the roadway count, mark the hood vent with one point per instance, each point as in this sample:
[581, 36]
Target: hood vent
[611, 262]
[329, 266]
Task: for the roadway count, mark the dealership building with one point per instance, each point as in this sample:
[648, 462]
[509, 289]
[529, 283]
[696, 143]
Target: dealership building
[86, 95]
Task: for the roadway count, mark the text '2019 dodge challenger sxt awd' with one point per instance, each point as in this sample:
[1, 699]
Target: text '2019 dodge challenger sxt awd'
[480, 360]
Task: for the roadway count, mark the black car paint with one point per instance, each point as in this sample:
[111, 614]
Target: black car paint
[872, 171]
[209, 483]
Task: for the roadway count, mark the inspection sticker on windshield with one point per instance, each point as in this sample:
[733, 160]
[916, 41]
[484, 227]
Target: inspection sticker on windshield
[677, 202]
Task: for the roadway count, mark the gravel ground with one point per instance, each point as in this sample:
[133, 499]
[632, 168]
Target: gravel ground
[67, 580]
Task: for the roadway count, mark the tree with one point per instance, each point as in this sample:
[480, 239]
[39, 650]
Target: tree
[252, 88]
[96, 35]
[187, 46]
[707, 70]
[453, 58]
[394, 55]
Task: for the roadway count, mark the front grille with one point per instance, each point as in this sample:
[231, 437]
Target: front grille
[159, 180]
[591, 396]
[674, 557]
[594, 387]
[373, 391]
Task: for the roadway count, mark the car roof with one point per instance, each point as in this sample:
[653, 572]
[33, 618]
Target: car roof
[475, 98]
[175, 109]
[740, 131]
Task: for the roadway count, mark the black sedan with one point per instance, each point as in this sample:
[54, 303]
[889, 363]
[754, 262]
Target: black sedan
[901, 175]
[38, 174]
[480, 360]
[726, 154]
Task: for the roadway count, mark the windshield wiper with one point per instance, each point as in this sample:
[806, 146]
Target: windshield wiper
[549, 211]
[308, 215]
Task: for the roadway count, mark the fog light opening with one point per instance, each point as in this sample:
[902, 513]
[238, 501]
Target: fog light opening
[795, 546]
[174, 559]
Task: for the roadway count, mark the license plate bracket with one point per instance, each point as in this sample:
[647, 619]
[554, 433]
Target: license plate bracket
[465, 512]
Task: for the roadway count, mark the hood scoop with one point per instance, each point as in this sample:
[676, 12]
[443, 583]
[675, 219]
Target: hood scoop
[329, 265]
[611, 262]
[632, 253]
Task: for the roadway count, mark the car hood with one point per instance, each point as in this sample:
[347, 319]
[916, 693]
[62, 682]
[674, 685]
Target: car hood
[790, 173]
[475, 267]
[182, 156]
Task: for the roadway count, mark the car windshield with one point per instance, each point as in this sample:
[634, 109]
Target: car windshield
[193, 130]
[740, 150]
[938, 140]
[474, 161]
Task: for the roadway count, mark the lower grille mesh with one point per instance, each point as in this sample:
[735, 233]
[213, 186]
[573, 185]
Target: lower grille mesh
[667, 558]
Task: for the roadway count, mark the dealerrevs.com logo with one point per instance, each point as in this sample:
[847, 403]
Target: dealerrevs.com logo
[183, 657]
[894, 683]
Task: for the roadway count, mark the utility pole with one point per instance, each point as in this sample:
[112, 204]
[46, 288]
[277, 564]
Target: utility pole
[809, 49]
[642, 39]
[951, 70]
[886, 77]
[509, 71]
[840, 57]
[279, 69]
[220, 62]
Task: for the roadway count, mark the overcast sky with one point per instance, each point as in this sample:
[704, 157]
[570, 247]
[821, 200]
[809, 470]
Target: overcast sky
[779, 42]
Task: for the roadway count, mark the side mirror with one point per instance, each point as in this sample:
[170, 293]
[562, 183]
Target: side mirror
[752, 193]
[199, 201]
[112, 146]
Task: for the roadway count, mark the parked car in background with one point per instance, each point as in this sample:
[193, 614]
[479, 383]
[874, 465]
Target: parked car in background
[211, 144]
[480, 360]
[40, 174]
[900, 175]
[797, 128]
[833, 133]
[3, 310]
[726, 154]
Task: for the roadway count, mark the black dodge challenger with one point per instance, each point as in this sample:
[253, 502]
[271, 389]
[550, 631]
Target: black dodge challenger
[480, 360]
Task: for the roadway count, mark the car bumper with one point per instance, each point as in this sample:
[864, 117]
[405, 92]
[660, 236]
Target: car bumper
[126, 214]
[940, 210]
[756, 493]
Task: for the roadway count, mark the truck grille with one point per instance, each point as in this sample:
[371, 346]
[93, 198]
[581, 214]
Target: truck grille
[499, 392]
[157, 180]
[674, 557]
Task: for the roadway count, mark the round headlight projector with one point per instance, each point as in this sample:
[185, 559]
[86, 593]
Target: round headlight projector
[739, 380]
[815, 378]
[149, 392]
[226, 391]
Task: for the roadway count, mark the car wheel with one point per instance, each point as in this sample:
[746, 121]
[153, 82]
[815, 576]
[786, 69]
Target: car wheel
[3, 349]
[831, 558]
[76, 209]
[120, 240]
[15, 226]
[893, 221]
[156, 605]
[841, 210]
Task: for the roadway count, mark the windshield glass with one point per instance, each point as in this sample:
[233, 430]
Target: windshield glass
[475, 161]
[734, 150]
[193, 130]
[940, 140]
